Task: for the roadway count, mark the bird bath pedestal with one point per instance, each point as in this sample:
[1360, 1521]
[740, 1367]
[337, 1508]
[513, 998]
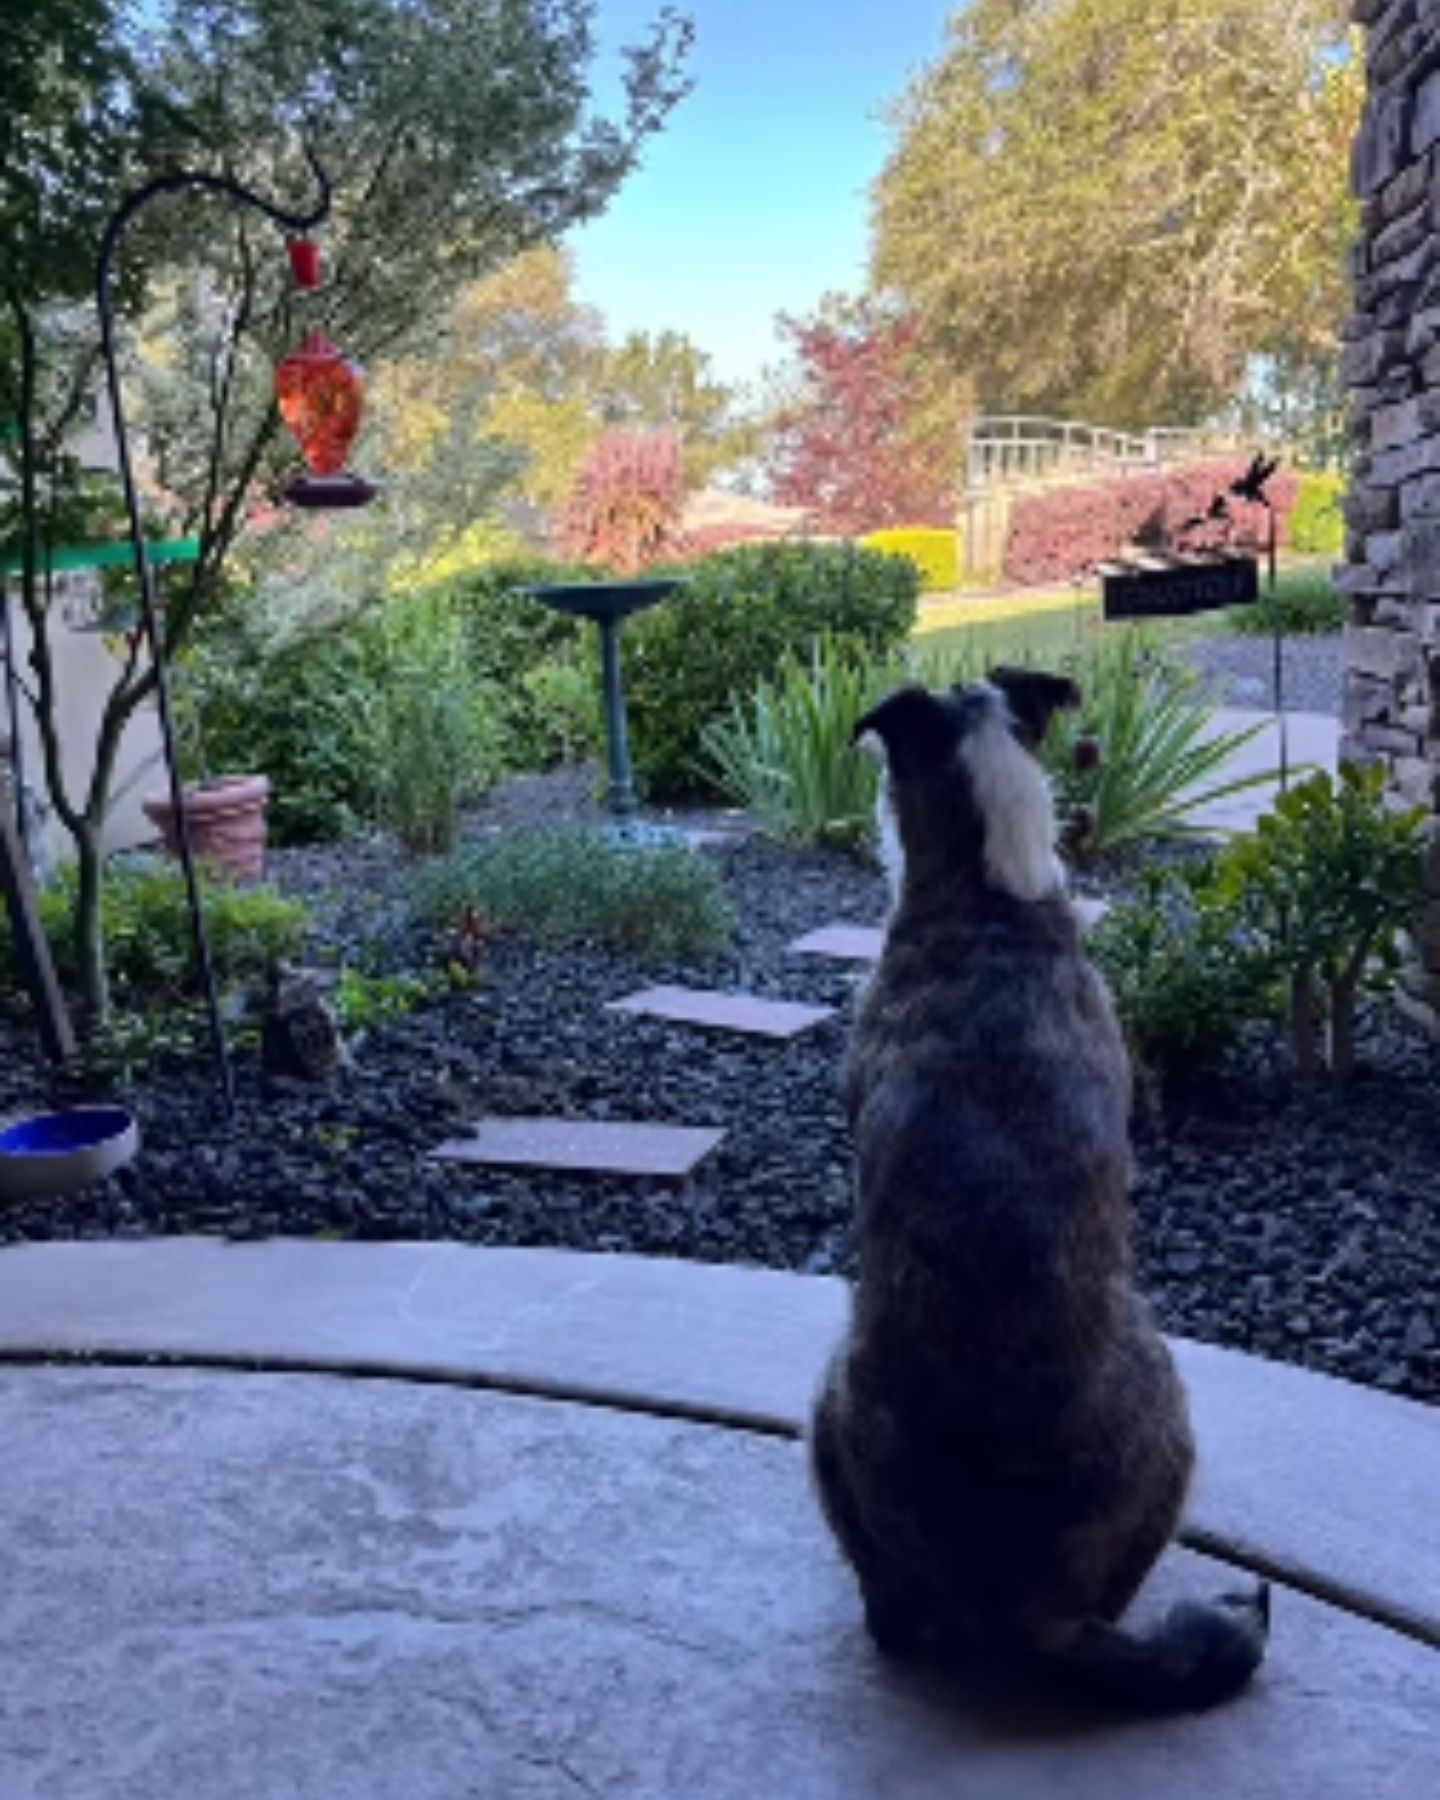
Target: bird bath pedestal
[608, 603]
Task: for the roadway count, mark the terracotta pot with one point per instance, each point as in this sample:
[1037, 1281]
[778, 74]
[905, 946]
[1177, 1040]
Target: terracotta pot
[227, 823]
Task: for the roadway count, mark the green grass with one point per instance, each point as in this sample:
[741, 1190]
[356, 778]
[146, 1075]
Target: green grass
[1044, 628]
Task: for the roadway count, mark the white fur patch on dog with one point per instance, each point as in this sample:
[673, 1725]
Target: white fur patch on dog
[1014, 800]
[887, 837]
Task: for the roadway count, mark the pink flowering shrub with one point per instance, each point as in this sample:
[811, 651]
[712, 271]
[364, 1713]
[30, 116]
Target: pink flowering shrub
[1059, 535]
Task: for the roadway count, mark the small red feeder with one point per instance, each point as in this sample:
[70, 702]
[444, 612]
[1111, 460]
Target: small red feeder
[321, 393]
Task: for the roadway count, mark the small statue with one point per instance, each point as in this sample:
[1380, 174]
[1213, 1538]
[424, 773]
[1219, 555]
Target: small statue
[299, 1035]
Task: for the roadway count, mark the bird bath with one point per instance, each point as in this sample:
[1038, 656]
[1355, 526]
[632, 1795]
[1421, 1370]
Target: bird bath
[608, 603]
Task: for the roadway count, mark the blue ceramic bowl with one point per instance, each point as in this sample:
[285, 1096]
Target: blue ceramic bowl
[60, 1153]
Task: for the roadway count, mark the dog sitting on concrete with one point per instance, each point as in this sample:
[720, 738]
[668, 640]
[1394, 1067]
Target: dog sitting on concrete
[1002, 1446]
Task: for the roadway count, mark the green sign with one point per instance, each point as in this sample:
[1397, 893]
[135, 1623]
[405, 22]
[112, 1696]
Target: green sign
[68, 557]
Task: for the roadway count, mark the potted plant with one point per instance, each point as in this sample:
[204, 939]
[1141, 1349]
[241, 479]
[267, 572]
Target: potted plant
[226, 813]
[227, 821]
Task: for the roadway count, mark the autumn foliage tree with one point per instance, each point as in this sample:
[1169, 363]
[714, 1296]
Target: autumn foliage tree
[865, 441]
[625, 511]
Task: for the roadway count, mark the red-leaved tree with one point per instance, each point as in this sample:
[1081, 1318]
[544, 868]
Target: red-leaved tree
[868, 441]
[624, 512]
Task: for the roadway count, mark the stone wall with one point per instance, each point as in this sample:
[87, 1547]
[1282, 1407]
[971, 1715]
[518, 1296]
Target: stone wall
[1392, 369]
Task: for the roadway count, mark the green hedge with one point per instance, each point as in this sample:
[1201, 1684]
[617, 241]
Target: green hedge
[740, 612]
[934, 551]
[1317, 521]
[314, 715]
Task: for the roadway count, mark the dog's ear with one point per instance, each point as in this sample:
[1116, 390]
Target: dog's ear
[1034, 699]
[919, 732]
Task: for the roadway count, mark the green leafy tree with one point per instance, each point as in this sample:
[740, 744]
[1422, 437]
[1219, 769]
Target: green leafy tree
[456, 134]
[1107, 208]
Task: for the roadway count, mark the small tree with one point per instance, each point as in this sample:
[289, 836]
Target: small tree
[867, 441]
[626, 509]
[1328, 882]
[456, 134]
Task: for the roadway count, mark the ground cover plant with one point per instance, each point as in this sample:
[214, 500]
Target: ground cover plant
[580, 886]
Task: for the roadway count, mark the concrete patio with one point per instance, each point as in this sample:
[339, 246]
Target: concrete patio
[557, 1541]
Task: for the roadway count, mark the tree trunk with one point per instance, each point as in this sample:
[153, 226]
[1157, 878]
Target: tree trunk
[1344, 993]
[89, 930]
[1305, 1022]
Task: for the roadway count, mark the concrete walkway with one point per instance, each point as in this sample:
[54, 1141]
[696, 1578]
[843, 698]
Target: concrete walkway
[604, 1575]
[1312, 742]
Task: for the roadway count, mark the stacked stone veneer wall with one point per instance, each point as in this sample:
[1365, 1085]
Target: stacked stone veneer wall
[1392, 369]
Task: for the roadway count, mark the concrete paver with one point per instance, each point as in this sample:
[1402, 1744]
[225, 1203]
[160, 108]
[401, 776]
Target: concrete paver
[748, 1014]
[266, 1587]
[589, 1146]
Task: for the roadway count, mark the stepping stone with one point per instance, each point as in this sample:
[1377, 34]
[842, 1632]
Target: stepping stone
[592, 1146]
[726, 1012]
[845, 943]
[866, 943]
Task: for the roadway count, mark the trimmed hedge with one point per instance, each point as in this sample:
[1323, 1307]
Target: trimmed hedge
[687, 660]
[1317, 523]
[1062, 534]
[934, 552]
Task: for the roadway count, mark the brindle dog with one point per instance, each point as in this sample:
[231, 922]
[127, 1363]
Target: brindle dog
[1002, 1446]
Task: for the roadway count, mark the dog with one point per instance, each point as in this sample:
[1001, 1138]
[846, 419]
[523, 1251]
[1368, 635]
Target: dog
[1001, 1445]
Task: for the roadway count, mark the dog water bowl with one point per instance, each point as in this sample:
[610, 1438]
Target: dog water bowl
[60, 1153]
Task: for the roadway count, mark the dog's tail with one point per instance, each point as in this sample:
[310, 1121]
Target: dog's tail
[1196, 1656]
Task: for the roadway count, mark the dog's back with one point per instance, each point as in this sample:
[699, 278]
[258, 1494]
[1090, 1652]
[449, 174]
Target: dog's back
[1002, 1446]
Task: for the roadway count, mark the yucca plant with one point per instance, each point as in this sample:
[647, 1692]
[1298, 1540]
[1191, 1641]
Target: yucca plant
[786, 753]
[1158, 758]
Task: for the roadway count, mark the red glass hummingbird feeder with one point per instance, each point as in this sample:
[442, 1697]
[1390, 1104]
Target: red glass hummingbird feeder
[321, 393]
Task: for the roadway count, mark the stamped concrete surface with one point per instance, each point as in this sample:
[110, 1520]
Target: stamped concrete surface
[288, 1587]
[1322, 1482]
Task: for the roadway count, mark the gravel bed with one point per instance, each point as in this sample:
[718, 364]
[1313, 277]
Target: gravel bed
[1300, 1222]
[1240, 671]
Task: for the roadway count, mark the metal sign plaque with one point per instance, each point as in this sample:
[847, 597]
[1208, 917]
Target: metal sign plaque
[1176, 589]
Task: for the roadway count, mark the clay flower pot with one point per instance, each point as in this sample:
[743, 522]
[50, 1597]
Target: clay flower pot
[227, 823]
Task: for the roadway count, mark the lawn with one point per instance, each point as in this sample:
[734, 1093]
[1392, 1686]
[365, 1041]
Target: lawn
[1047, 627]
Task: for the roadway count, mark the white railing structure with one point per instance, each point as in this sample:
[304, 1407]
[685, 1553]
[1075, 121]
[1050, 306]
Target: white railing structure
[1014, 454]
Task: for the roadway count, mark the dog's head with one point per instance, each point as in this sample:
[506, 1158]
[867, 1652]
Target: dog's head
[964, 790]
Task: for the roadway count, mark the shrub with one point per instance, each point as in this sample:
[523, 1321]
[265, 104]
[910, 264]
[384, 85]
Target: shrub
[1317, 521]
[1187, 975]
[625, 510]
[146, 924]
[579, 886]
[1057, 535]
[439, 739]
[1158, 757]
[687, 660]
[1328, 882]
[510, 639]
[363, 1001]
[1306, 601]
[306, 717]
[935, 553]
[321, 716]
[786, 753]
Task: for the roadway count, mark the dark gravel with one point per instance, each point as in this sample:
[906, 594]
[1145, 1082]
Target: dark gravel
[1301, 1223]
[1240, 671]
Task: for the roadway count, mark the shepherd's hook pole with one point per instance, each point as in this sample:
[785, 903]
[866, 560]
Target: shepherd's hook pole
[177, 182]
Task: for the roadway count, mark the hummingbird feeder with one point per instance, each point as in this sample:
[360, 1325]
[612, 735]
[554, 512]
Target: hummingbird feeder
[321, 394]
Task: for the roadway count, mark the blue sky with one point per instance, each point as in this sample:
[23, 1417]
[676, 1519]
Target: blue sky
[753, 201]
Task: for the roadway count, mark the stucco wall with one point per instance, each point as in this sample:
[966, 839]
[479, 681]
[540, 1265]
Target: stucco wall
[85, 671]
